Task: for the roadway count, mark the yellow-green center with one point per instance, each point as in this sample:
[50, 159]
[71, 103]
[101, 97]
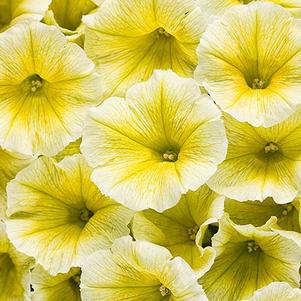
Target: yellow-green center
[170, 156]
[258, 83]
[85, 215]
[252, 246]
[33, 83]
[164, 290]
[271, 148]
[192, 232]
[162, 31]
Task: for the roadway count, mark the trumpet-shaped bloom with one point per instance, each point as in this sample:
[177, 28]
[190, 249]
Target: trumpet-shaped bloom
[261, 162]
[10, 165]
[162, 140]
[67, 16]
[249, 258]
[127, 40]
[178, 228]
[217, 7]
[277, 291]
[249, 62]
[14, 11]
[258, 213]
[54, 288]
[15, 271]
[58, 216]
[46, 87]
[138, 270]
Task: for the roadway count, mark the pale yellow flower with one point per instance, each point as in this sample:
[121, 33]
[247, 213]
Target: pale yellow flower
[61, 287]
[261, 162]
[277, 291]
[127, 40]
[138, 270]
[15, 271]
[10, 165]
[67, 16]
[217, 7]
[249, 62]
[46, 87]
[58, 216]
[164, 139]
[249, 258]
[178, 228]
[15, 11]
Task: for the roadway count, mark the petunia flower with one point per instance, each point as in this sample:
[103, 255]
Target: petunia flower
[248, 62]
[277, 291]
[261, 162]
[10, 164]
[46, 87]
[148, 149]
[178, 228]
[15, 11]
[217, 7]
[249, 258]
[127, 40]
[138, 270]
[15, 271]
[258, 213]
[58, 216]
[67, 16]
[53, 288]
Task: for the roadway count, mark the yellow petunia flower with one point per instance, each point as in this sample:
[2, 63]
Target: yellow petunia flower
[15, 11]
[261, 162]
[127, 40]
[277, 291]
[46, 87]
[178, 228]
[249, 63]
[67, 16]
[55, 288]
[164, 139]
[15, 271]
[217, 7]
[258, 213]
[10, 165]
[58, 216]
[138, 270]
[249, 258]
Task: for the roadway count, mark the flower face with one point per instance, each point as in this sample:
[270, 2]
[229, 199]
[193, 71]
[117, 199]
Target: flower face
[249, 258]
[253, 75]
[261, 162]
[177, 228]
[138, 270]
[216, 7]
[14, 11]
[127, 40]
[15, 267]
[162, 140]
[62, 286]
[277, 291]
[58, 216]
[46, 87]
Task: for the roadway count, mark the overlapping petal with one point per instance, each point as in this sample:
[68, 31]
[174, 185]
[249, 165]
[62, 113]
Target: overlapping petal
[58, 216]
[249, 63]
[162, 140]
[46, 87]
[138, 270]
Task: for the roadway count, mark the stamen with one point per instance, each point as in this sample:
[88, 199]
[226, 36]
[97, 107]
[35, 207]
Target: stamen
[164, 290]
[170, 156]
[161, 30]
[271, 148]
[192, 232]
[252, 246]
[258, 83]
[85, 215]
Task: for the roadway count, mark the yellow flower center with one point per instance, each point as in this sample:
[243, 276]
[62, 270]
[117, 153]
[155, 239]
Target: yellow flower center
[252, 246]
[164, 290]
[271, 148]
[162, 31]
[170, 156]
[258, 83]
[85, 215]
[33, 83]
[193, 231]
[287, 209]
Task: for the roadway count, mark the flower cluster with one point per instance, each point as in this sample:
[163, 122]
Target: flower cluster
[150, 150]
